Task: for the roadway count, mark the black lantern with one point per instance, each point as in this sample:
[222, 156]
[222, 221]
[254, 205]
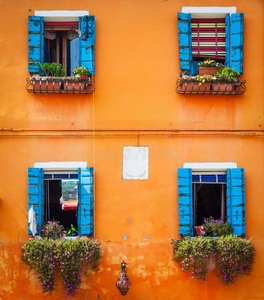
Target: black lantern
[123, 283]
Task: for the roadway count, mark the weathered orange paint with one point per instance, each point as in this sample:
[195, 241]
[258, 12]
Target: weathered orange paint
[134, 104]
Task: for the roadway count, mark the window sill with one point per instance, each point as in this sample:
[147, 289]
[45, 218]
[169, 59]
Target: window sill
[60, 86]
[192, 87]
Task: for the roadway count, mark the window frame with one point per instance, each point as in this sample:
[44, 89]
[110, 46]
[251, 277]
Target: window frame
[85, 190]
[234, 35]
[36, 37]
[235, 197]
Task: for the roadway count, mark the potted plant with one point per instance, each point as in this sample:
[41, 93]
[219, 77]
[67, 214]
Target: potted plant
[196, 83]
[72, 257]
[216, 227]
[209, 67]
[224, 79]
[53, 73]
[80, 78]
[234, 255]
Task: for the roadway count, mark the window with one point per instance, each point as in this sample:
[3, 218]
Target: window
[61, 197]
[61, 44]
[211, 194]
[47, 193]
[70, 43]
[210, 37]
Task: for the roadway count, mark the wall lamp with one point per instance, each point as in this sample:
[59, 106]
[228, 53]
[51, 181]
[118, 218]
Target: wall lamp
[123, 284]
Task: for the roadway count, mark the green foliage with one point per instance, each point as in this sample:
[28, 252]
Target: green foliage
[217, 227]
[53, 69]
[72, 257]
[227, 74]
[39, 255]
[45, 68]
[52, 230]
[193, 255]
[235, 256]
[81, 71]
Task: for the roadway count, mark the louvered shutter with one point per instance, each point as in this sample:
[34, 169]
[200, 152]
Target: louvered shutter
[185, 43]
[235, 188]
[35, 43]
[36, 194]
[237, 41]
[87, 48]
[185, 201]
[86, 201]
[227, 40]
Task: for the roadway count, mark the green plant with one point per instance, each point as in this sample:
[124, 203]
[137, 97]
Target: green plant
[217, 227]
[236, 257]
[53, 69]
[52, 230]
[39, 255]
[45, 68]
[193, 255]
[81, 71]
[74, 257]
[227, 74]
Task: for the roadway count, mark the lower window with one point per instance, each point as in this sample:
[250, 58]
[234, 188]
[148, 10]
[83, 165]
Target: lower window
[66, 197]
[207, 194]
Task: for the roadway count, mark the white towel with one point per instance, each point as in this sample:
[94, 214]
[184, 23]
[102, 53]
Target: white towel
[32, 221]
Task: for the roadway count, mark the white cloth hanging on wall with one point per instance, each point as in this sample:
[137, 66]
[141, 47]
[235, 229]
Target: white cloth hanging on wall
[32, 221]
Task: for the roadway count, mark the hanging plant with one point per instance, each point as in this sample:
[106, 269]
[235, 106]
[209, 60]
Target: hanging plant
[39, 255]
[73, 258]
[193, 255]
[236, 257]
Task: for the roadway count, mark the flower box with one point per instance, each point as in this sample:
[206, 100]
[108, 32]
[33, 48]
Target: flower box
[209, 70]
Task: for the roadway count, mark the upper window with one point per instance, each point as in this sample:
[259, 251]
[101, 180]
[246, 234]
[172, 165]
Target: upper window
[69, 43]
[211, 37]
[63, 196]
[211, 194]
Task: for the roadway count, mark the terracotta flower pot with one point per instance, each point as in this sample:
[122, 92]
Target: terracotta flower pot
[50, 85]
[208, 70]
[222, 86]
[74, 85]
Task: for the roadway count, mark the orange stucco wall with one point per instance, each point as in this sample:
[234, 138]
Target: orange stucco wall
[134, 104]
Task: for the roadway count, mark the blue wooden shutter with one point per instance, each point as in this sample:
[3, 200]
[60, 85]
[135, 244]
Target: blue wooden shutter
[237, 42]
[35, 43]
[86, 202]
[227, 40]
[185, 200]
[87, 48]
[36, 194]
[235, 189]
[185, 42]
